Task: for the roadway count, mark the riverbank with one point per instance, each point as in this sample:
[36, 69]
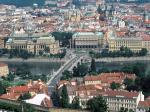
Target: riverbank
[57, 60]
[122, 59]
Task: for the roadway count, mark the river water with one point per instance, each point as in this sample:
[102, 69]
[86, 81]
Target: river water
[49, 67]
[36, 67]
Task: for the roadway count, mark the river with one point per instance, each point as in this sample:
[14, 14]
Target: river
[49, 67]
[36, 67]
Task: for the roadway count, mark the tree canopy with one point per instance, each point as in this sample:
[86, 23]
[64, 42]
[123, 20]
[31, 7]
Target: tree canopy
[64, 99]
[97, 104]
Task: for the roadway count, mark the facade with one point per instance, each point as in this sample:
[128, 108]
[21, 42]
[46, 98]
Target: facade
[1, 42]
[132, 42]
[34, 46]
[87, 40]
[117, 99]
[4, 70]
[93, 86]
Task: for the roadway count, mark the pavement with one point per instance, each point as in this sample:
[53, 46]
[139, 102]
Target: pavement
[56, 76]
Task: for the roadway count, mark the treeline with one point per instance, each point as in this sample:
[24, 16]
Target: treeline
[123, 52]
[24, 54]
[16, 53]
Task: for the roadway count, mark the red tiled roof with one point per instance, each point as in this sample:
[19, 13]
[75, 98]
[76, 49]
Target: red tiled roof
[147, 22]
[145, 103]
[133, 17]
[146, 38]
[116, 93]
[120, 34]
[18, 89]
[88, 87]
[110, 77]
[12, 96]
[3, 64]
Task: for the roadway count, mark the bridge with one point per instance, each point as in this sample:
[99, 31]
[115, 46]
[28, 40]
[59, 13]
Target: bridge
[66, 66]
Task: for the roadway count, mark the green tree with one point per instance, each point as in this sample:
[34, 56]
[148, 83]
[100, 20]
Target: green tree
[143, 52]
[83, 69]
[127, 69]
[99, 10]
[10, 77]
[55, 98]
[75, 104]
[40, 53]
[128, 82]
[47, 49]
[26, 107]
[97, 104]
[2, 88]
[122, 109]
[66, 75]
[64, 99]
[75, 71]
[139, 69]
[25, 96]
[148, 110]
[93, 65]
[114, 85]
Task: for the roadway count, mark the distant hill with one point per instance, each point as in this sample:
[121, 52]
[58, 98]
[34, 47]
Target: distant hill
[21, 3]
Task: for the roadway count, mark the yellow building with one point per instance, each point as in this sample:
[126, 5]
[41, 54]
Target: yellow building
[114, 42]
[35, 46]
[146, 42]
[4, 71]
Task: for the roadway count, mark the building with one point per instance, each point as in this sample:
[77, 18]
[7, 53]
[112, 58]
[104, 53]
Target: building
[117, 99]
[105, 79]
[41, 100]
[32, 87]
[133, 41]
[83, 92]
[115, 43]
[35, 45]
[87, 40]
[4, 70]
[143, 106]
[93, 86]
